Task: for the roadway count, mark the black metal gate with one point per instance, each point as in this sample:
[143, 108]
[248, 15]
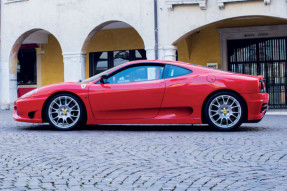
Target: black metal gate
[265, 57]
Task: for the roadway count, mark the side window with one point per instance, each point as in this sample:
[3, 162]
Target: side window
[137, 74]
[175, 71]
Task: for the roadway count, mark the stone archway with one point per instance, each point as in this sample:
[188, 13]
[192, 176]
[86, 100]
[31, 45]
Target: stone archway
[44, 53]
[110, 40]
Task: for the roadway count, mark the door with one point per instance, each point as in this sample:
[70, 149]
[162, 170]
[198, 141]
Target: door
[179, 93]
[265, 57]
[132, 93]
[26, 71]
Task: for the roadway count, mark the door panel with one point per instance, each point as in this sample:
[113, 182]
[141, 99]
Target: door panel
[183, 92]
[135, 100]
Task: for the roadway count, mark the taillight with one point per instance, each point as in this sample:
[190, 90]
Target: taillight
[262, 88]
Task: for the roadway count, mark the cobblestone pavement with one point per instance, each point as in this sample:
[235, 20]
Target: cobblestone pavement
[143, 157]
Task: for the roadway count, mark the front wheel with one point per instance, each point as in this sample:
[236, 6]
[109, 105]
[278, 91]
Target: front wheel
[224, 111]
[64, 111]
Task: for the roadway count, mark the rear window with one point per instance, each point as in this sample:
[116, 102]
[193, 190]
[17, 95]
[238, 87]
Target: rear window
[175, 71]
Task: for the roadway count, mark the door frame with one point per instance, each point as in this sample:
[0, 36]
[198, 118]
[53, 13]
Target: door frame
[270, 31]
[275, 89]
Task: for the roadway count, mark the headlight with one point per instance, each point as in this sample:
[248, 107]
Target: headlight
[29, 93]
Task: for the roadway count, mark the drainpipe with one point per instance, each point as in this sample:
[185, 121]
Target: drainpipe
[155, 30]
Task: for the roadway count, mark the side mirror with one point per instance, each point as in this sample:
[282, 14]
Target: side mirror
[104, 79]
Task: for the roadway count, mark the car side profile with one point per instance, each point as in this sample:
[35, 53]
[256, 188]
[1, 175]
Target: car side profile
[149, 92]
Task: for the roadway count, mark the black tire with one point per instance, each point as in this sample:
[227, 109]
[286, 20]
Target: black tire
[224, 111]
[65, 112]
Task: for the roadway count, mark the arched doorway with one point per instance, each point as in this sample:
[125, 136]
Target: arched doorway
[112, 44]
[36, 60]
[254, 45]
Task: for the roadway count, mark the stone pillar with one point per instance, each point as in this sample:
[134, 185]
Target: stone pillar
[169, 53]
[39, 67]
[8, 91]
[8, 87]
[13, 87]
[150, 53]
[74, 66]
[164, 53]
[1, 83]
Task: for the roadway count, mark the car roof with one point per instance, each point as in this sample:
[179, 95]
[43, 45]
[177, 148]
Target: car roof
[160, 62]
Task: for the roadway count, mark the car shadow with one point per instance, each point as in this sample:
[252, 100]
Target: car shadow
[191, 128]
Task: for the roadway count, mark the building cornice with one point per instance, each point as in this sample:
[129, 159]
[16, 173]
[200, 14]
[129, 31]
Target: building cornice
[221, 3]
[253, 32]
[203, 3]
[172, 3]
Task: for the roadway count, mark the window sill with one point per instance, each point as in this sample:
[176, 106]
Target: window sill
[28, 86]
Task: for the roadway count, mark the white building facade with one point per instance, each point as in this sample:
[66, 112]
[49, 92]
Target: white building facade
[68, 37]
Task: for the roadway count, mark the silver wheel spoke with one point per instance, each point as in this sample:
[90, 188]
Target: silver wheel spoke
[222, 99]
[69, 103]
[73, 106]
[55, 117]
[218, 119]
[217, 102]
[216, 105]
[56, 103]
[228, 119]
[65, 122]
[227, 100]
[60, 101]
[71, 119]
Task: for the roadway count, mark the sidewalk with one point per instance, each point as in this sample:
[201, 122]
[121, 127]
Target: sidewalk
[277, 112]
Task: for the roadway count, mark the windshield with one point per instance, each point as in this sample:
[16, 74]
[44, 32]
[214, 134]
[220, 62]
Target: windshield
[93, 78]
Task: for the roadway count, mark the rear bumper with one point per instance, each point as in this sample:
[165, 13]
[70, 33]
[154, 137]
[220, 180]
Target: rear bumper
[28, 110]
[257, 105]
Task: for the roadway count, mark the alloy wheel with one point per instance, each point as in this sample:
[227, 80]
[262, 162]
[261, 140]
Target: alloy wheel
[64, 112]
[224, 111]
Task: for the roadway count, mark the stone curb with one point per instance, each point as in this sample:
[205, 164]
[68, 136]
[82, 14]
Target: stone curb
[276, 113]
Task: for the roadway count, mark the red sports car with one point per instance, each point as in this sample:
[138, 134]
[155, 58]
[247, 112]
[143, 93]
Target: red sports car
[149, 92]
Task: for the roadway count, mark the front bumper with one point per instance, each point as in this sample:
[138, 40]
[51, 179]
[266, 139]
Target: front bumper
[29, 110]
[257, 105]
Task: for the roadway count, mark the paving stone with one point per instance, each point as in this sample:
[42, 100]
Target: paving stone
[118, 157]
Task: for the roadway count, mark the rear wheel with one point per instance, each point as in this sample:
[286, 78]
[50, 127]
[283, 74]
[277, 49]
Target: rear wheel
[224, 111]
[64, 111]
